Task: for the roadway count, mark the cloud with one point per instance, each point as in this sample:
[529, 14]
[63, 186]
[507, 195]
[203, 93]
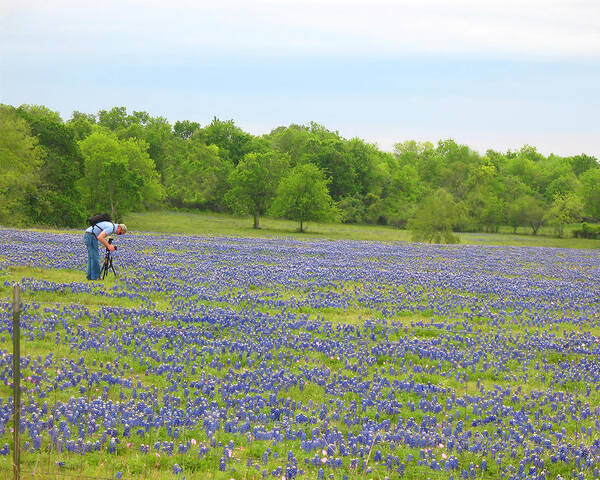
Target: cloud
[551, 28]
[484, 72]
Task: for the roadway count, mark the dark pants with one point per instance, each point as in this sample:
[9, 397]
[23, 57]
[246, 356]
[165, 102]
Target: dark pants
[93, 265]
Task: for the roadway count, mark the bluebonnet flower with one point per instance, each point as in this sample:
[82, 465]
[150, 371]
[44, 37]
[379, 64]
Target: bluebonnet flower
[230, 342]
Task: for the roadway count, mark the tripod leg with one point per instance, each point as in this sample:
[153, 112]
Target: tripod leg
[104, 269]
[112, 267]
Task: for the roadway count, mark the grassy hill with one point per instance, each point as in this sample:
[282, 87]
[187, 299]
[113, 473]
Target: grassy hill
[227, 225]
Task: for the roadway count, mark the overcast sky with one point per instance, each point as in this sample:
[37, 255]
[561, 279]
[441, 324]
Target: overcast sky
[489, 74]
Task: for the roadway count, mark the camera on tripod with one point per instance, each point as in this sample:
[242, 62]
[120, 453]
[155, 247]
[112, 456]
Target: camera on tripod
[110, 240]
[107, 266]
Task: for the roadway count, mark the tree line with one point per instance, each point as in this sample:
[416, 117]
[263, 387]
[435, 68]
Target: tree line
[56, 172]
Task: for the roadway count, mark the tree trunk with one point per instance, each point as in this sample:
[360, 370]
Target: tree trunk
[255, 220]
[534, 228]
[301, 226]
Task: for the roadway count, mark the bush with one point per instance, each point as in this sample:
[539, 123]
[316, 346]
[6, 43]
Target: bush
[587, 231]
[435, 218]
[352, 210]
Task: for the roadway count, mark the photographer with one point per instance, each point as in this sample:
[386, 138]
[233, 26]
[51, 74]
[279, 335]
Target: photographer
[98, 233]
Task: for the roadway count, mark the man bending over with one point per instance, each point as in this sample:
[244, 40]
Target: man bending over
[98, 233]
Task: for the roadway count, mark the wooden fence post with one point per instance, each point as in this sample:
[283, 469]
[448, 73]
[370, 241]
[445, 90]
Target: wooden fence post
[16, 382]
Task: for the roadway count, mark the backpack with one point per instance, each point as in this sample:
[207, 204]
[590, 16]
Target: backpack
[97, 218]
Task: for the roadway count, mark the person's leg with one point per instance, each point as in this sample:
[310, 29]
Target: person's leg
[95, 270]
[88, 244]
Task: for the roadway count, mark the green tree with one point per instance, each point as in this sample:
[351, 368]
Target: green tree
[364, 158]
[232, 141]
[555, 177]
[254, 183]
[82, 124]
[115, 119]
[291, 140]
[121, 188]
[140, 162]
[486, 210]
[513, 189]
[590, 192]
[525, 211]
[514, 216]
[119, 175]
[565, 209]
[185, 129]
[56, 198]
[302, 195]
[415, 154]
[562, 184]
[375, 209]
[352, 209]
[582, 163]
[483, 197]
[20, 160]
[157, 133]
[435, 218]
[197, 175]
[328, 151]
[349, 164]
[525, 169]
[457, 161]
[412, 148]
[531, 212]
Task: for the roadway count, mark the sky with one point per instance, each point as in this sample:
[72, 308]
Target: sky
[488, 74]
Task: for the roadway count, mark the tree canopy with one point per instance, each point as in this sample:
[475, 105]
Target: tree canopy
[302, 195]
[254, 183]
[55, 170]
[20, 160]
[119, 175]
[435, 219]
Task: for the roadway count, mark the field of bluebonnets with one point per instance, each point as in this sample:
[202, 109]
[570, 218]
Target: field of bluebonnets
[275, 358]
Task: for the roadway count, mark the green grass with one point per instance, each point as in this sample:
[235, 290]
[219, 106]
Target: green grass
[219, 224]
[101, 294]
[222, 224]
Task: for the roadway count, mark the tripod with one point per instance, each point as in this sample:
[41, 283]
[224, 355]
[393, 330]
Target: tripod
[108, 263]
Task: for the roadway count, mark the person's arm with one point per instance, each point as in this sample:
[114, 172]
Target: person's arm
[103, 241]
